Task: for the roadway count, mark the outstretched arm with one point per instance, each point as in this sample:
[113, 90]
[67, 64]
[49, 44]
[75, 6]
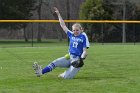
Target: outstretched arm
[62, 23]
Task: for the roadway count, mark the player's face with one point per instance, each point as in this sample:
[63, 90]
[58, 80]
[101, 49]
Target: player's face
[76, 31]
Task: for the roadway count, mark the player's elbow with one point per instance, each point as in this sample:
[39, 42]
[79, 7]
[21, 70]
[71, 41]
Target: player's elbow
[64, 28]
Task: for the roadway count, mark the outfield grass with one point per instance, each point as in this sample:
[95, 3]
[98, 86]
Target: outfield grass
[108, 69]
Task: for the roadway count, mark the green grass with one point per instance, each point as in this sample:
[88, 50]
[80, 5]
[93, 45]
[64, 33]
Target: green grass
[108, 69]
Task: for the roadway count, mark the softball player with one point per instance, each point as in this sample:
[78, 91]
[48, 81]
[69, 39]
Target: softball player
[77, 52]
[72, 71]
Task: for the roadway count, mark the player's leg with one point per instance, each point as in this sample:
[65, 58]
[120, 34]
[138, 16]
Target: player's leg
[60, 62]
[72, 71]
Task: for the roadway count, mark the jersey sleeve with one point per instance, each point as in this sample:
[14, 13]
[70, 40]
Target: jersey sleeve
[69, 33]
[87, 41]
[84, 42]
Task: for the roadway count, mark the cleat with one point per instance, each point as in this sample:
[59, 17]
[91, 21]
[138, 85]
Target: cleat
[61, 75]
[38, 69]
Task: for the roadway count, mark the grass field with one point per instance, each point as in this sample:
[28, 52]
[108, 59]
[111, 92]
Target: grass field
[107, 69]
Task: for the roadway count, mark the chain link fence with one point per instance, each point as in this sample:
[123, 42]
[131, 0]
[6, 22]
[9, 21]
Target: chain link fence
[43, 33]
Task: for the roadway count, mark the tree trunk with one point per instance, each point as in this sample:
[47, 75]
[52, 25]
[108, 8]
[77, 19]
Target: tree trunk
[124, 25]
[25, 35]
[39, 24]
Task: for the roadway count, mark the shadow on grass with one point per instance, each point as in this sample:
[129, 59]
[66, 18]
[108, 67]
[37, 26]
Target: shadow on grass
[99, 78]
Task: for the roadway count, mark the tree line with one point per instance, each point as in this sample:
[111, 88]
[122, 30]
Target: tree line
[111, 10]
[70, 9]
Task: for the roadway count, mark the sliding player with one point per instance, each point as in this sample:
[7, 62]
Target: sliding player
[77, 52]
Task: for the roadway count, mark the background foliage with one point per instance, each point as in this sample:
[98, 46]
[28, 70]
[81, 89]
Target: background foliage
[16, 10]
[69, 9]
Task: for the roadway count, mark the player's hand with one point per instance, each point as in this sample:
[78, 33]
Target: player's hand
[78, 63]
[81, 62]
[56, 10]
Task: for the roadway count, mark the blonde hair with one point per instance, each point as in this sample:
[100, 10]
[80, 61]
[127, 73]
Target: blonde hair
[78, 25]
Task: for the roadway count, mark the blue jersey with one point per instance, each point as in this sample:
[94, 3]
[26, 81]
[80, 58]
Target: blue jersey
[77, 43]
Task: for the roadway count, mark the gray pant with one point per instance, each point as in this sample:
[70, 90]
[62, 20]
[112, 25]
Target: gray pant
[63, 62]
